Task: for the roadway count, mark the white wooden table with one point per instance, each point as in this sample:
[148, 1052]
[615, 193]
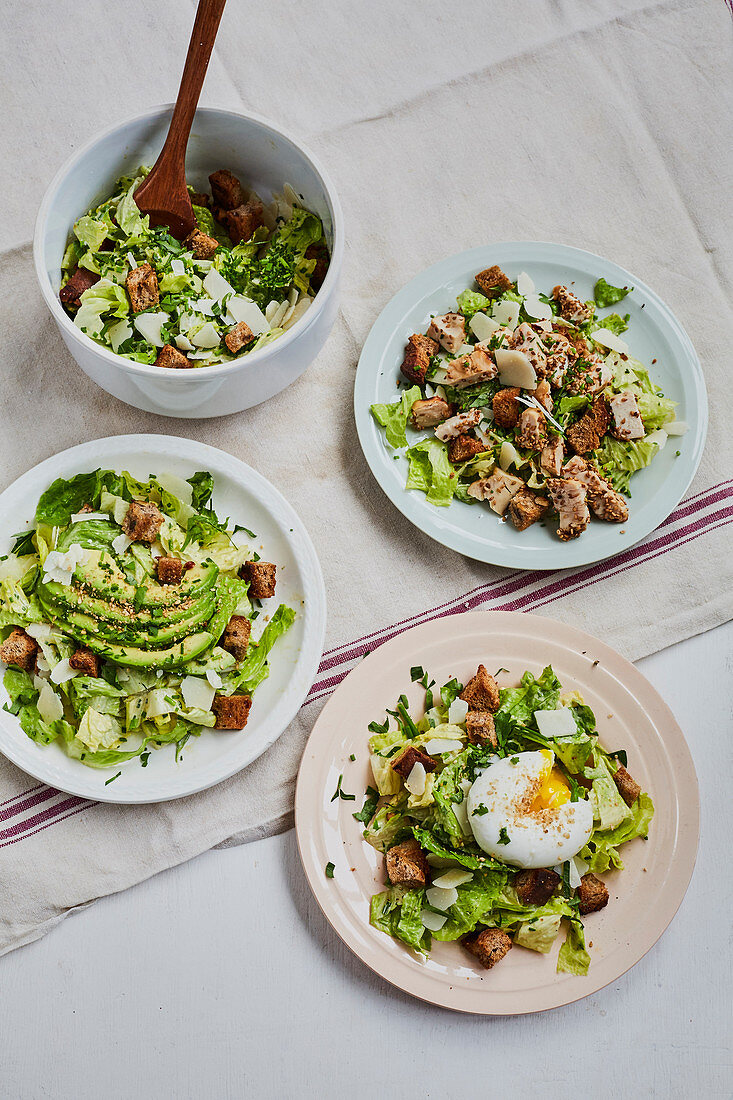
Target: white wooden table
[221, 979]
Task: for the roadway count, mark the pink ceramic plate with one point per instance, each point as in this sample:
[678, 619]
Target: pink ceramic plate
[644, 896]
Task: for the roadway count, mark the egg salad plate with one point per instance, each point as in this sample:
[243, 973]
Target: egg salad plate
[497, 813]
[531, 405]
[162, 614]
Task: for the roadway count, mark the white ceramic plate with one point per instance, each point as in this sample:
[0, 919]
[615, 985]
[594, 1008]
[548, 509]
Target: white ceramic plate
[248, 499]
[630, 714]
[654, 333]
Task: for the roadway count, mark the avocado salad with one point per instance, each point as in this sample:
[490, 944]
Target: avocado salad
[243, 276]
[530, 403]
[496, 810]
[128, 617]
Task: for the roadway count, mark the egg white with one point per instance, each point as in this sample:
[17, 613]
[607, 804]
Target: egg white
[539, 838]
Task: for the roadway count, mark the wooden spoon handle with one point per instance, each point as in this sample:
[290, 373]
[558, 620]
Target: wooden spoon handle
[206, 24]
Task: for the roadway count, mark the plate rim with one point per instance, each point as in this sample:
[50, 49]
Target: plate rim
[423, 516]
[688, 828]
[303, 550]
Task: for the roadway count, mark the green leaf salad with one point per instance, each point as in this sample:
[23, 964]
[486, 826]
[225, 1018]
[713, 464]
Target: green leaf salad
[245, 275]
[528, 403]
[130, 617]
[495, 810]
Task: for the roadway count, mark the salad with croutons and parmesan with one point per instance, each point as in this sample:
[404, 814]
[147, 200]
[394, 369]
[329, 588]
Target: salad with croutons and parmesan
[496, 810]
[245, 274]
[128, 617]
[529, 403]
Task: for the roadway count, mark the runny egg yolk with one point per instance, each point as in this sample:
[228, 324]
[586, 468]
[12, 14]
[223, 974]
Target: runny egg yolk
[553, 791]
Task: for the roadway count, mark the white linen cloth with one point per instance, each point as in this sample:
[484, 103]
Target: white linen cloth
[602, 125]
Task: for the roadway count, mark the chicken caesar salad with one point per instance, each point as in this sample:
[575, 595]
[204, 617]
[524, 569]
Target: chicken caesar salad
[244, 275]
[497, 810]
[128, 616]
[531, 403]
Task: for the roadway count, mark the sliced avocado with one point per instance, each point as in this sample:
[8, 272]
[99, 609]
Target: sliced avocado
[171, 657]
[102, 576]
[143, 635]
[66, 599]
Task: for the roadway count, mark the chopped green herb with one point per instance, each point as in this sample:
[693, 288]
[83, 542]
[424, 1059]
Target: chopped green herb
[480, 810]
[112, 779]
[504, 837]
[330, 868]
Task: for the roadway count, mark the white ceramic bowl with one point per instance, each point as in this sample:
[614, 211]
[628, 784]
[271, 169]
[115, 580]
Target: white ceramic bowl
[265, 158]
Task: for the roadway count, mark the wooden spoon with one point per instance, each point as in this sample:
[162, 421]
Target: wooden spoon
[163, 194]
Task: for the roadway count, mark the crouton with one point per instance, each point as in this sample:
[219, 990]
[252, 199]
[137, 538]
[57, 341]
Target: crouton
[583, 435]
[552, 456]
[201, 244]
[405, 761]
[261, 577]
[481, 692]
[86, 662]
[449, 330]
[532, 430]
[232, 711]
[226, 190]
[536, 887]
[429, 412]
[238, 337]
[602, 415]
[169, 570]
[171, 357]
[593, 894]
[407, 865]
[628, 788]
[569, 501]
[627, 422]
[480, 728]
[478, 366]
[526, 508]
[199, 198]
[418, 353]
[572, 308]
[142, 286]
[241, 223]
[319, 253]
[236, 636]
[19, 650]
[80, 281]
[507, 409]
[142, 522]
[464, 447]
[493, 281]
[489, 946]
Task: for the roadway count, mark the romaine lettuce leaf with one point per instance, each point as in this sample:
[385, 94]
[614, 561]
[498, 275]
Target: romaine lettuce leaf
[471, 302]
[90, 232]
[431, 472]
[607, 295]
[600, 852]
[388, 824]
[542, 693]
[475, 900]
[255, 668]
[394, 416]
[103, 300]
[618, 461]
[397, 912]
[573, 957]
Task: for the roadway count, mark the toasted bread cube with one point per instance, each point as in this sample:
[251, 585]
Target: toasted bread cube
[261, 577]
[319, 253]
[86, 662]
[405, 761]
[199, 198]
[583, 435]
[407, 865]
[429, 412]
[201, 244]
[449, 330]
[171, 357]
[507, 409]
[142, 286]
[238, 337]
[493, 281]
[593, 894]
[19, 650]
[572, 308]
[232, 711]
[241, 223]
[526, 508]
[489, 946]
[628, 788]
[536, 887]
[142, 522]
[169, 570]
[480, 728]
[226, 190]
[236, 636]
[418, 353]
[464, 447]
[80, 281]
[481, 692]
